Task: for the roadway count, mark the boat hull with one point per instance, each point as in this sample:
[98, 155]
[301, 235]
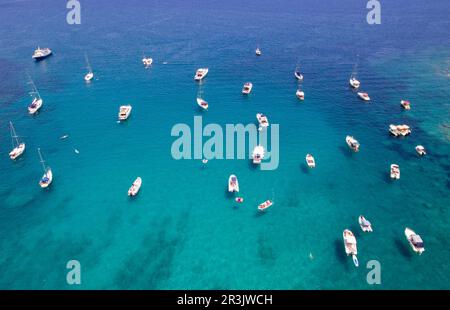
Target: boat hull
[135, 187]
[17, 152]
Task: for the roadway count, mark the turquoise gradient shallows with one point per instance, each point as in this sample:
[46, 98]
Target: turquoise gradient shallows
[183, 230]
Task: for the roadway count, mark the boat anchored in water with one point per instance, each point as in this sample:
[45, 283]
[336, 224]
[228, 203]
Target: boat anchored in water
[262, 120]
[352, 143]
[233, 184]
[41, 53]
[299, 93]
[265, 205]
[135, 187]
[350, 245]
[399, 130]
[147, 61]
[90, 75]
[47, 177]
[298, 75]
[365, 225]
[202, 103]
[201, 74]
[395, 172]
[247, 88]
[310, 161]
[405, 104]
[37, 102]
[414, 240]
[258, 51]
[18, 148]
[124, 112]
[364, 96]
[420, 150]
[258, 154]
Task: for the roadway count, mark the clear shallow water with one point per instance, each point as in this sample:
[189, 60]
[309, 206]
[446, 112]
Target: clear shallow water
[182, 231]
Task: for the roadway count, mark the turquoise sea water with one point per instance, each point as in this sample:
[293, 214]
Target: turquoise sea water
[184, 231]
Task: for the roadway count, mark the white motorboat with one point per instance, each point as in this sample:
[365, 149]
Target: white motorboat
[365, 225]
[258, 51]
[298, 75]
[37, 102]
[352, 143]
[420, 150]
[395, 171]
[354, 82]
[201, 74]
[247, 88]
[399, 130]
[405, 104]
[364, 96]
[41, 53]
[147, 61]
[266, 204]
[300, 94]
[47, 177]
[350, 245]
[258, 154]
[262, 120]
[233, 184]
[124, 112]
[202, 103]
[414, 240]
[310, 161]
[135, 187]
[18, 148]
[90, 75]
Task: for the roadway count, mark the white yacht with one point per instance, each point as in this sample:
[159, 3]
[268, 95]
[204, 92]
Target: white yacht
[258, 154]
[364, 96]
[298, 75]
[262, 120]
[310, 161]
[405, 104]
[135, 187]
[18, 148]
[420, 150]
[233, 184]
[395, 172]
[247, 88]
[365, 225]
[90, 75]
[201, 74]
[147, 61]
[47, 177]
[414, 240]
[354, 82]
[399, 130]
[350, 245]
[37, 102]
[352, 143]
[41, 53]
[258, 51]
[124, 112]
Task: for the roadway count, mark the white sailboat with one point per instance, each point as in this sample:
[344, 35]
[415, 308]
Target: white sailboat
[353, 81]
[47, 177]
[90, 75]
[147, 61]
[300, 93]
[18, 148]
[298, 75]
[200, 101]
[37, 102]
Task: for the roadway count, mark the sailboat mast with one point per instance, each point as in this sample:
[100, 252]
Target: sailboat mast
[87, 61]
[14, 135]
[42, 160]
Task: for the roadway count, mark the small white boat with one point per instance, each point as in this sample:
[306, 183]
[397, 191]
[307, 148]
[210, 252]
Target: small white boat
[64, 137]
[298, 75]
[414, 240]
[247, 88]
[90, 75]
[124, 112]
[201, 73]
[202, 103]
[204, 160]
[135, 187]
[147, 61]
[41, 53]
[364, 96]
[395, 172]
[18, 148]
[37, 102]
[258, 154]
[399, 130]
[47, 177]
[350, 245]
[262, 120]
[300, 94]
[352, 143]
[405, 104]
[365, 225]
[233, 184]
[239, 199]
[310, 161]
[258, 51]
[266, 204]
[420, 150]
[354, 82]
